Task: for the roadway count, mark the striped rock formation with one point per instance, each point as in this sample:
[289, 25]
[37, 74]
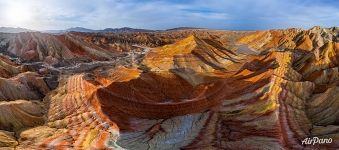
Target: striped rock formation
[72, 47]
[197, 94]
[75, 111]
[20, 105]
[35, 46]
[199, 55]
[15, 83]
[266, 104]
[19, 114]
[232, 119]
[27, 85]
[7, 140]
[296, 39]
[8, 68]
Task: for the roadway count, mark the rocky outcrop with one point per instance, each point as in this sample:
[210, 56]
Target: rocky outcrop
[28, 85]
[297, 39]
[191, 53]
[323, 107]
[124, 42]
[74, 110]
[51, 49]
[19, 114]
[7, 140]
[8, 68]
[73, 47]
[31, 138]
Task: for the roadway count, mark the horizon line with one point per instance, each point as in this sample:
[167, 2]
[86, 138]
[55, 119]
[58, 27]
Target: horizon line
[165, 29]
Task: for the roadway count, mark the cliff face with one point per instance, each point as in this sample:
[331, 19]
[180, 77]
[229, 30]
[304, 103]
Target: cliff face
[265, 90]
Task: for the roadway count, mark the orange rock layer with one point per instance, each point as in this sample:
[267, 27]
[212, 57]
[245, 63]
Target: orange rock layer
[197, 94]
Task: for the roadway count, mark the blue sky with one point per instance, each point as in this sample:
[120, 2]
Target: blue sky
[164, 14]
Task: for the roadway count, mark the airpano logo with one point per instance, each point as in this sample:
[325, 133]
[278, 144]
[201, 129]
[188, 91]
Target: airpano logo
[316, 140]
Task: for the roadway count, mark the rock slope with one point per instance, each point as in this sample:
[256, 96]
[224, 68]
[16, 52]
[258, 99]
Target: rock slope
[198, 92]
[191, 53]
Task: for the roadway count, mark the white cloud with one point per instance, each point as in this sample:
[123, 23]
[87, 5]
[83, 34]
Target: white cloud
[230, 14]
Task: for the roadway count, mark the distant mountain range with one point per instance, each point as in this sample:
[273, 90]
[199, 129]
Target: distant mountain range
[81, 29]
[13, 30]
[183, 28]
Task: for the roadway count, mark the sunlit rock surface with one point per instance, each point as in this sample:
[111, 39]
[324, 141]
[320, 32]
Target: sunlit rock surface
[26, 85]
[20, 114]
[8, 68]
[233, 90]
[7, 140]
[191, 53]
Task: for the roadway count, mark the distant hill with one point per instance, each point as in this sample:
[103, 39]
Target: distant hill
[183, 28]
[14, 30]
[81, 29]
[73, 29]
[126, 29]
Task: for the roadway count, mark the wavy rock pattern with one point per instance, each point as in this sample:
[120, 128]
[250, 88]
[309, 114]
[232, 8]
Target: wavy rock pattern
[202, 95]
[298, 39]
[28, 85]
[190, 53]
[85, 126]
[8, 68]
[276, 97]
[70, 48]
[7, 140]
[20, 114]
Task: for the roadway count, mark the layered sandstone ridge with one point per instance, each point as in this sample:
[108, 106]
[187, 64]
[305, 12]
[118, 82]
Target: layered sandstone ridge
[297, 39]
[21, 93]
[72, 47]
[198, 92]
[8, 68]
[16, 83]
[51, 49]
[191, 53]
[20, 114]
